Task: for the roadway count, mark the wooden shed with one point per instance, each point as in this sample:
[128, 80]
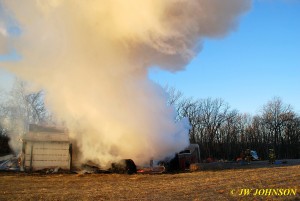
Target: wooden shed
[46, 147]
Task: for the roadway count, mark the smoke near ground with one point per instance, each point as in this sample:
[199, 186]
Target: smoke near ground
[92, 57]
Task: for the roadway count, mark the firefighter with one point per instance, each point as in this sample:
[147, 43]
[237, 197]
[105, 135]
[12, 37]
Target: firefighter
[272, 156]
[247, 156]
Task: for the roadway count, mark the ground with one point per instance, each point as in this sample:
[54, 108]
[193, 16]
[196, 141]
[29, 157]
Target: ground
[202, 185]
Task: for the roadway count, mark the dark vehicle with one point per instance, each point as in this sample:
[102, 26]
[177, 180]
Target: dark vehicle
[125, 166]
[248, 155]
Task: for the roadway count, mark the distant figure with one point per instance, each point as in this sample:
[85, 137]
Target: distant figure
[151, 164]
[21, 161]
[272, 156]
[247, 156]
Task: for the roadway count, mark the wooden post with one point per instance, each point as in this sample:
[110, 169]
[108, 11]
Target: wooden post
[22, 157]
[70, 153]
[31, 151]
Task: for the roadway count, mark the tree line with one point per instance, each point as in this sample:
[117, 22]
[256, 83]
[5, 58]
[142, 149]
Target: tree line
[19, 108]
[220, 131]
[223, 133]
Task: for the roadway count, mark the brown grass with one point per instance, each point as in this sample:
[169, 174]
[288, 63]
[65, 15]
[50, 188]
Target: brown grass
[203, 185]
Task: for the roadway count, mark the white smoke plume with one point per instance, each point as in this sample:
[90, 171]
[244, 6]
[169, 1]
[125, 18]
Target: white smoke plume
[3, 35]
[91, 58]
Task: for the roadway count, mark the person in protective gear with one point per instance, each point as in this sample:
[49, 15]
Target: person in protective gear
[272, 156]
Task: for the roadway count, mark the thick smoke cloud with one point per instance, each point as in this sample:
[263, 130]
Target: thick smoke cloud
[92, 57]
[3, 34]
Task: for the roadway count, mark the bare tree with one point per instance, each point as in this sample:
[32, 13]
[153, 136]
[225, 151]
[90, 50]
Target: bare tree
[174, 95]
[20, 109]
[27, 105]
[225, 133]
[36, 109]
[292, 138]
[189, 108]
[214, 114]
[275, 116]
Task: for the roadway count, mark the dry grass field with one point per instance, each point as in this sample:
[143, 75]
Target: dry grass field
[202, 185]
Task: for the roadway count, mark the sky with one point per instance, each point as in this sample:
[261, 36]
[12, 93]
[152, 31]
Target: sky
[259, 60]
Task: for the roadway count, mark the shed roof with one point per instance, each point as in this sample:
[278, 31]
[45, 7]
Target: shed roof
[46, 134]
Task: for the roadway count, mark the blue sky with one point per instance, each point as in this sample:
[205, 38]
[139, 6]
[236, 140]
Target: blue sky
[248, 67]
[254, 63]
